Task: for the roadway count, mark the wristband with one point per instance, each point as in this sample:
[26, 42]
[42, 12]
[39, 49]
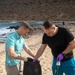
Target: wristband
[63, 54]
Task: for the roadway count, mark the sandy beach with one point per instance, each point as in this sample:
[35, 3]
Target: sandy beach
[33, 40]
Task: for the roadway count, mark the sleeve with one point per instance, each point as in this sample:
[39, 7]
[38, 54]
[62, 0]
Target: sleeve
[24, 43]
[68, 35]
[10, 42]
[44, 40]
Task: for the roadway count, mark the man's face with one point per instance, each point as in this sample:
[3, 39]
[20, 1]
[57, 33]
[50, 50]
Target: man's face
[49, 31]
[25, 31]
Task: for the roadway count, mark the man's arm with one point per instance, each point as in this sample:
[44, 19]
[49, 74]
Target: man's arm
[40, 51]
[70, 47]
[13, 55]
[26, 48]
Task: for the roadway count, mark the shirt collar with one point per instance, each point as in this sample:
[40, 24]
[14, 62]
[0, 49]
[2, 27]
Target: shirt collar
[18, 37]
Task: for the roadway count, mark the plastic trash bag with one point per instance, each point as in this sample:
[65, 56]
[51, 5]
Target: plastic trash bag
[32, 68]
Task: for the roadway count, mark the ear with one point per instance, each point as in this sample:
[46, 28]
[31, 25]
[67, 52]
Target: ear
[53, 27]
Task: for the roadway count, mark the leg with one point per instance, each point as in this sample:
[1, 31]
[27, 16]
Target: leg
[20, 68]
[12, 70]
[54, 67]
[69, 67]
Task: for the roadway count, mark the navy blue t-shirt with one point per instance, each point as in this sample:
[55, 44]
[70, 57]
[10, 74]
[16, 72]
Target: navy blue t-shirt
[59, 42]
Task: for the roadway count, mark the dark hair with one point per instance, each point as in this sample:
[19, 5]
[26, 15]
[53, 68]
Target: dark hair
[25, 25]
[47, 24]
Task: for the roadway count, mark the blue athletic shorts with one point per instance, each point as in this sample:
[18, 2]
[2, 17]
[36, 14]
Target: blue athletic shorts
[67, 67]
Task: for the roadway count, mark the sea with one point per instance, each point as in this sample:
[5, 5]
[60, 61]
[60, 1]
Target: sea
[5, 27]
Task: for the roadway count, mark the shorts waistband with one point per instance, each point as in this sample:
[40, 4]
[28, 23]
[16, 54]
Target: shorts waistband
[66, 59]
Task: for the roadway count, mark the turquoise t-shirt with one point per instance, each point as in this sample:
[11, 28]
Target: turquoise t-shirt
[17, 42]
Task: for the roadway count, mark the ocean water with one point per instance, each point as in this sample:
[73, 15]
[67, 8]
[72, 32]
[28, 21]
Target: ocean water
[5, 29]
[5, 25]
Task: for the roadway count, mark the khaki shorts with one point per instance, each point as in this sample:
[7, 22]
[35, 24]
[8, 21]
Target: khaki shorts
[13, 70]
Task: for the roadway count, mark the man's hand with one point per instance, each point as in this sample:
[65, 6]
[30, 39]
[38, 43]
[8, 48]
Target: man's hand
[34, 60]
[25, 59]
[60, 57]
